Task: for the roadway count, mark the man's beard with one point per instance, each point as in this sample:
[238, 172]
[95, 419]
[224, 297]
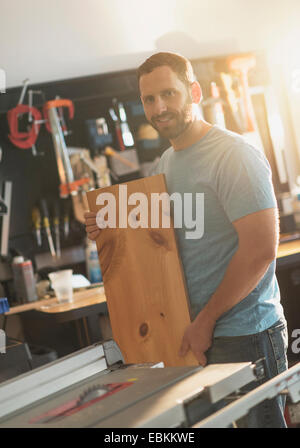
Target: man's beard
[181, 119]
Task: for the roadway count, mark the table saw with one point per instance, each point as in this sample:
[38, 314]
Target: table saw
[94, 388]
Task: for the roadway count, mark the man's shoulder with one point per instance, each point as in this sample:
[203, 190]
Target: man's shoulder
[228, 138]
[231, 143]
[159, 162]
[165, 155]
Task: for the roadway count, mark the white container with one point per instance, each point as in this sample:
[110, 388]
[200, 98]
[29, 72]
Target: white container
[61, 282]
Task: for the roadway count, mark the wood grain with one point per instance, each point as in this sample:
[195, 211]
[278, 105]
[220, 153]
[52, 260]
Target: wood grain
[144, 283]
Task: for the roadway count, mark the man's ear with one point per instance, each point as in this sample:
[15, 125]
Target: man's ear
[196, 92]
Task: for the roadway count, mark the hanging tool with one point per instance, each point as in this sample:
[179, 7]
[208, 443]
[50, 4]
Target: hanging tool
[30, 100]
[125, 130]
[64, 128]
[66, 210]
[66, 225]
[214, 107]
[242, 65]
[233, 102]
[27, 139]
[96, 169]
[117, 128]
[24, 140]
[36, 218]
[23, 92]
[46, 223]
[68, 184]
[88, 162]
[56, 228]
[5, 209]
[112, 153]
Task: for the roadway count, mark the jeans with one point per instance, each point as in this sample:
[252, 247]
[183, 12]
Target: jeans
[270, 344]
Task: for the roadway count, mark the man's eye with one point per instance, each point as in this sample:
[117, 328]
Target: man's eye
[149, 100]
[169, 93]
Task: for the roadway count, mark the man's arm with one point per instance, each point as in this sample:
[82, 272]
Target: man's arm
[258, 235]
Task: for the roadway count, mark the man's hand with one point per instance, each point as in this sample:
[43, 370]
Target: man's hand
[198, 337]
[91, 227]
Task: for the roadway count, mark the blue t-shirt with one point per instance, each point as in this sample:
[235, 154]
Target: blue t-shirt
[236, 180]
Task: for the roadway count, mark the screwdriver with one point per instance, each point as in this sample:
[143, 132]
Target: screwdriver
[47, 227]
[56, 228]
[36, 218]
[66, 219]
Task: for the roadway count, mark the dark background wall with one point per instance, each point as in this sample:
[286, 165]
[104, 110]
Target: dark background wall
[36, 177]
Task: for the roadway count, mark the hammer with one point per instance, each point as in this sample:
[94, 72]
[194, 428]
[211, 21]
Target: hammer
[242, 65]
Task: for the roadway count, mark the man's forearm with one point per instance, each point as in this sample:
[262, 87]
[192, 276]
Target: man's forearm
[242, 275]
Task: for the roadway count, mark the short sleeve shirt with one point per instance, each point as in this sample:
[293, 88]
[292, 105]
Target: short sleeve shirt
[226, 179]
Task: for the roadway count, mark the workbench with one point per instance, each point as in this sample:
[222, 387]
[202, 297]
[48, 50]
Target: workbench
[81, 299]
[83, 313]
[288, 253]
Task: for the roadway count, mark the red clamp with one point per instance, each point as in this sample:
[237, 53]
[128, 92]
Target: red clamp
[57, 104]
[71, 188]
[23, 140]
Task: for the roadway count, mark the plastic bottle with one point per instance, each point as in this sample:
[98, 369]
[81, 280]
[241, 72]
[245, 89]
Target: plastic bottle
[92, 262]
[24, 281]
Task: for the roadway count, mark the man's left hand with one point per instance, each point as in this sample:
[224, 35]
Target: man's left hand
[198, 337]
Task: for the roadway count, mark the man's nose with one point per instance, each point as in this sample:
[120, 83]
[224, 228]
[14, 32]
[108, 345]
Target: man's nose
[159, 106]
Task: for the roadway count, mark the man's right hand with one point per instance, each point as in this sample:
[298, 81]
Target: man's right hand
[91, 227]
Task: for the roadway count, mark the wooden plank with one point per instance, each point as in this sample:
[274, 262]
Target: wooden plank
[144, 281]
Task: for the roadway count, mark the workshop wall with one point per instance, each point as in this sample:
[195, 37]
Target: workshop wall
[60, 39]
[57, 39]
[35, 177]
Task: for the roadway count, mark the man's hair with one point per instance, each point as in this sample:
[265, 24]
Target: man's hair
[179, 64]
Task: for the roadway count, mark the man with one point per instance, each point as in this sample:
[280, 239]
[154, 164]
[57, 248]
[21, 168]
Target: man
[230, 271]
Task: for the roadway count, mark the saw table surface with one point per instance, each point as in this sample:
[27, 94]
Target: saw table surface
[92, 388]
[132, 396]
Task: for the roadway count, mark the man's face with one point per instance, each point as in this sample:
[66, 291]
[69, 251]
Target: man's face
[167, 102]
